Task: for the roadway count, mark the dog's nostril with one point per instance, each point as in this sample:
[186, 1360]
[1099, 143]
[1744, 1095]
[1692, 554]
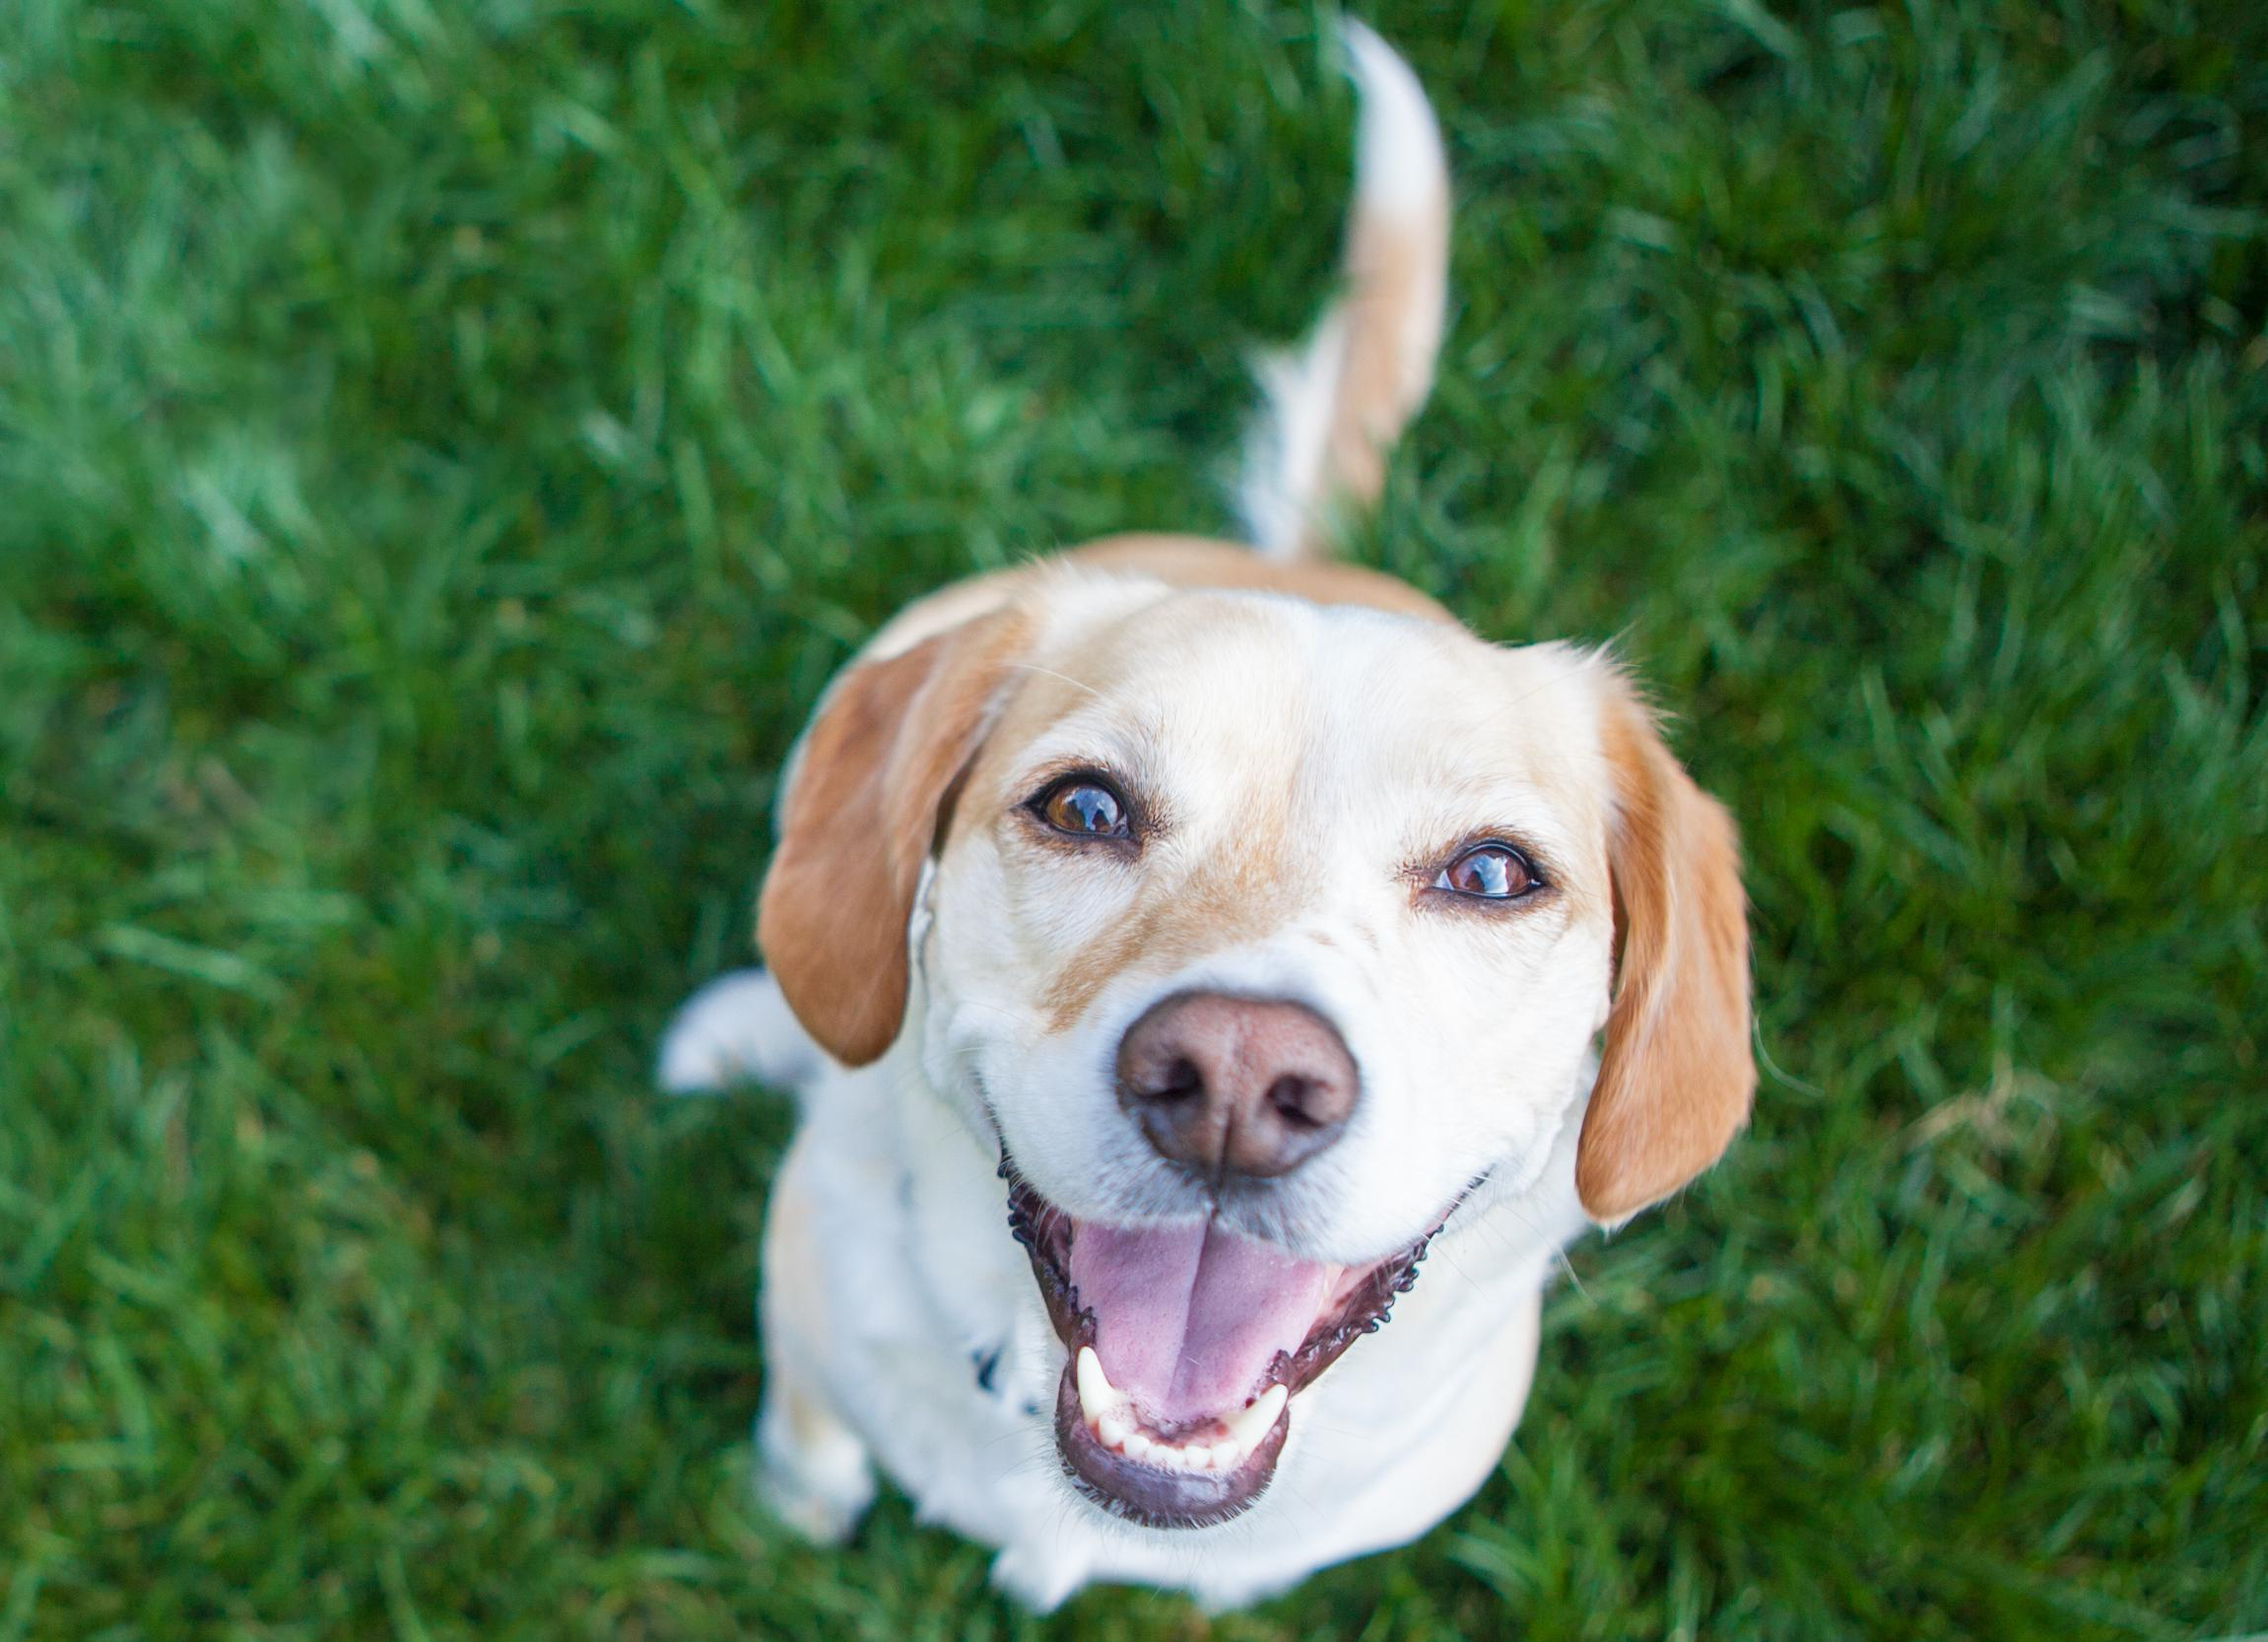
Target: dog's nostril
[1181, 1081]
[1294, 1100]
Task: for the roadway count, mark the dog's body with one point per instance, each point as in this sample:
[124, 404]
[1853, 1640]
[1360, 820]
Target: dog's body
[1244, 932]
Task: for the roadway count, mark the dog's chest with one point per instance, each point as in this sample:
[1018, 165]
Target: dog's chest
[930, 1360]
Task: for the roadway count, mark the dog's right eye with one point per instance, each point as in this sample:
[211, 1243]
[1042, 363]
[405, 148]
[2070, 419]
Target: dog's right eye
[1083, 807]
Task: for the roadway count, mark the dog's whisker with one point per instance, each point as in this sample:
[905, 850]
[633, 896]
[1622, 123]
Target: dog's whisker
[1049, 672]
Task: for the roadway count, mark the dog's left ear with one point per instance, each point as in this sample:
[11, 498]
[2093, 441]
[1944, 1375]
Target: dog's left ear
[1675, 1073]
[860, 816]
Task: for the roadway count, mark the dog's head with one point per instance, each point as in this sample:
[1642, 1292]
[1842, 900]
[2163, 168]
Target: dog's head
[1254, 933]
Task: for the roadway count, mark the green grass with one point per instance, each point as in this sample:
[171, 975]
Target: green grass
[446, 445]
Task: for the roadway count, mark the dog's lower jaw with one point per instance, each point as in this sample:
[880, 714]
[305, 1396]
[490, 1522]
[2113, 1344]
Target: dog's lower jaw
[1138, 1489]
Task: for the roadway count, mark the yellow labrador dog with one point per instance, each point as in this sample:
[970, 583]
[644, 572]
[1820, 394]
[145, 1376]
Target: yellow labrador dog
[1218, 985]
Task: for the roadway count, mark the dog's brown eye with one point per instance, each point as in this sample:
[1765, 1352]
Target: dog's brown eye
[1084, 808]
[1489, 872]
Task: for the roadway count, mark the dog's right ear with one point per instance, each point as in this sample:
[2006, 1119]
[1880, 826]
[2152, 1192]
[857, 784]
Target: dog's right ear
[859, 817]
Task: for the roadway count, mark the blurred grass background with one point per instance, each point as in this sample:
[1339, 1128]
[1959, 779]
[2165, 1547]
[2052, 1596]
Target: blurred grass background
[444, 444]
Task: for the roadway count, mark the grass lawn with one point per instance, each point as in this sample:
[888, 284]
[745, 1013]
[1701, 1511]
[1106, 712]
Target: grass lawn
[445, 445]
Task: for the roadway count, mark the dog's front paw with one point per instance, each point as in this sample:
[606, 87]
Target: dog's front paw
[819, 1483]
[1043, 1580]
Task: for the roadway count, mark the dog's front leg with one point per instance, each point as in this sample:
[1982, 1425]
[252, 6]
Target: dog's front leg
[812, 1470]
[1041, 1571]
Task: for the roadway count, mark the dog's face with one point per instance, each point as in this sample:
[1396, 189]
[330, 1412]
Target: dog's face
[1256, 933]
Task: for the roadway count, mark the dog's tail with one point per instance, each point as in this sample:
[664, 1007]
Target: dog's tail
[1335, 407]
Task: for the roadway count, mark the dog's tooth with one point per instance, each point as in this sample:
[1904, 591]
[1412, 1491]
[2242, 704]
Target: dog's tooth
[1248, 1427]
[1096, 1395]
[1110, 1414]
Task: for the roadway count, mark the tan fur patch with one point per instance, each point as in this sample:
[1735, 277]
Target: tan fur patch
[1179, 561]
[859, 820]
[1174, 924]
[1382, 378]
[1676, 1073]
[1196, 562]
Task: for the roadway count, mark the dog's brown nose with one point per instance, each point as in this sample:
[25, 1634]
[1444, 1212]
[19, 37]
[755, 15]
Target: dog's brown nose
[1235, 1086]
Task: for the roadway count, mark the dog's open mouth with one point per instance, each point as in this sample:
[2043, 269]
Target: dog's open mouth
[1188, 1344]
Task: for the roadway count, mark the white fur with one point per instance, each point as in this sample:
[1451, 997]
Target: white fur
[736, 1029]
[1282, 488]
[1400, 173]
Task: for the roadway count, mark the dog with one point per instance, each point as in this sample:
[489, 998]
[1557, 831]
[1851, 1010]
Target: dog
[1188, 957]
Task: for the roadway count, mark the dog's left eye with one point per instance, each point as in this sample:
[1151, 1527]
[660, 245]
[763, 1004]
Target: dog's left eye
[1084, 808]
[1489, 872]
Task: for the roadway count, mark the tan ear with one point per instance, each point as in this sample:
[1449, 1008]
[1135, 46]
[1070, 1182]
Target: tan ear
[1676, 1073]
[859, 817]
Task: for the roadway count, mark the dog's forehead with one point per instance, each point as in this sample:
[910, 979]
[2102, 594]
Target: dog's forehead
[1298, 758]
[1236, 687]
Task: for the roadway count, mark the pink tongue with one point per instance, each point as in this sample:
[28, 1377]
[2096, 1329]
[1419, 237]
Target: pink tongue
[1189, 1318]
